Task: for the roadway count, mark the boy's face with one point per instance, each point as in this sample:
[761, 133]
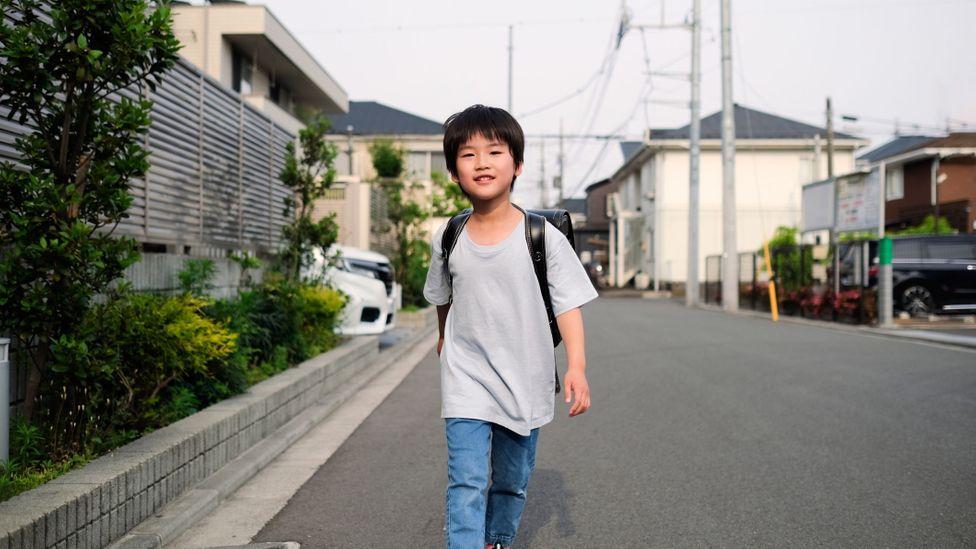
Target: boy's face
[485, 168]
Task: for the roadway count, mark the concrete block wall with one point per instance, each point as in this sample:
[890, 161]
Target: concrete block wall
[91, 507]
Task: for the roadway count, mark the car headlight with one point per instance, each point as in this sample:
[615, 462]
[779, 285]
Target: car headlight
[346, 266]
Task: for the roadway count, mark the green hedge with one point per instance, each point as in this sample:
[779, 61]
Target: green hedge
[138, 362]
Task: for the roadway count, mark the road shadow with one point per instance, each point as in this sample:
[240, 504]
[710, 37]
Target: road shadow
[547, 501]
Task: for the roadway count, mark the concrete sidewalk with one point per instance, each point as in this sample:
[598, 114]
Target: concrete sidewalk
[242, 515]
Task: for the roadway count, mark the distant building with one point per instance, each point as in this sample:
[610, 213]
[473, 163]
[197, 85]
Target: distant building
[592, 227]
[775, 156]
[361, 205]
[927, 175]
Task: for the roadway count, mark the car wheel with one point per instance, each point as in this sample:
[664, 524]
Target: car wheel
[917, 300]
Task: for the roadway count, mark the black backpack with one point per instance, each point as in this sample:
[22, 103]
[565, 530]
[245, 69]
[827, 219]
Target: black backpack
[535, 239]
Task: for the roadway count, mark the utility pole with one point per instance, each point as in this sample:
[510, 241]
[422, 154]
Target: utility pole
[834, 236]
[694, 77]
[511, 47]
[349, 129]
[830, 140]
[730, 259]
[691, 285]
[562, 160]
[545, 188]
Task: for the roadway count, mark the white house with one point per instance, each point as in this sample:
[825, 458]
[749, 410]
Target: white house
[649, 213]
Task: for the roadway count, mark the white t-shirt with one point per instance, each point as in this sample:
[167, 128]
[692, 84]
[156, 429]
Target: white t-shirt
[497, 363]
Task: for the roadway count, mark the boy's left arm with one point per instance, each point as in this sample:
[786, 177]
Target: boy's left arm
[574, 383]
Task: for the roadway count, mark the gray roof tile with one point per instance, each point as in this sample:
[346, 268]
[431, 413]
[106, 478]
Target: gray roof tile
[373, 118]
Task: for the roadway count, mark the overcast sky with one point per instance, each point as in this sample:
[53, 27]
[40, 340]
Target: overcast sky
[881, 60]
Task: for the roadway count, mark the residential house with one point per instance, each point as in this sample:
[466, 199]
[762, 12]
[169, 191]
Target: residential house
[592, 231]
[360, 208]
[245, 48]
[927, 175]
[775, 156]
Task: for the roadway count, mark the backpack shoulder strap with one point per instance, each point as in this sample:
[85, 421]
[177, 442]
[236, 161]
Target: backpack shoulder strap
[450, 236]
[535, 238]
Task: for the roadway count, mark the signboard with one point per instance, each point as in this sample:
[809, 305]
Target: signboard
[858, 207]
[817, 204]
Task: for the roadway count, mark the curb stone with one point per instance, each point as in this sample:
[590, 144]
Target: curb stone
[99, 503]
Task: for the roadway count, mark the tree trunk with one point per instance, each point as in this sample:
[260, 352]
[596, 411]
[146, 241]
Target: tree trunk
[35, 376]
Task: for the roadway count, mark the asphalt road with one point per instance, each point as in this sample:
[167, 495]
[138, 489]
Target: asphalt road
[707, 430]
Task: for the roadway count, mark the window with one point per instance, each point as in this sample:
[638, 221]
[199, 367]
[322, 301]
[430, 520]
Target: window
[417, 164]
[906, 249]
[952, 250]
[281, 95]
[241, 73]
[341, 163]
[438, 163]
[894, 183]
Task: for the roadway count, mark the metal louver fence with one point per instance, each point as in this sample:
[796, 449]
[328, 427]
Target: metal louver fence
[214, 164]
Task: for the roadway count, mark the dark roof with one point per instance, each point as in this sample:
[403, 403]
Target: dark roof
[956, 139]
[599, 183]
[630, 148]
[372, 118]
[750, 124]
[896, 146]
[576, 205]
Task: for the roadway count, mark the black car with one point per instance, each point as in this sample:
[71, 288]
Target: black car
[930, 274]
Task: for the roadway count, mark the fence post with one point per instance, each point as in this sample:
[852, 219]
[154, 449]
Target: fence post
[4, 400]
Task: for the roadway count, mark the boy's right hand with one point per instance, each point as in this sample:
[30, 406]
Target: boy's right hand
[440, 344]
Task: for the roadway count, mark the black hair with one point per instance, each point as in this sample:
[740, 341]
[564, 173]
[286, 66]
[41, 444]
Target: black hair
[492, 123]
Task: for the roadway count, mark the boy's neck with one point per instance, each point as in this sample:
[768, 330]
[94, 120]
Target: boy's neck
[491, 211]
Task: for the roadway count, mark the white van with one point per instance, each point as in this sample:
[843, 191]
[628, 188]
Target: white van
[367, 279]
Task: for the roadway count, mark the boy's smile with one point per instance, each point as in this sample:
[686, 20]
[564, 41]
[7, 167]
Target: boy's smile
[485, 167]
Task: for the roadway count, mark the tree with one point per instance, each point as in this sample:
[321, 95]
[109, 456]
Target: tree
[448, 198]
[405, 218]
[309, 177]
[61, 75]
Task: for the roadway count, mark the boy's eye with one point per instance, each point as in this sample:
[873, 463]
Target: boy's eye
[496, 152]
[466, 155]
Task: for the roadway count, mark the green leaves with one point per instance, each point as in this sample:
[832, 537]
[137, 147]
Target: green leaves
[57, 74]
[309, 177]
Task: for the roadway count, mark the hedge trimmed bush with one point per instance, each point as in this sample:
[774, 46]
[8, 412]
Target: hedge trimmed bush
[138, 362]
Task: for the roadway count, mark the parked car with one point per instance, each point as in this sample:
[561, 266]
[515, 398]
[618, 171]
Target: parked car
[930, 274]
[367, 278]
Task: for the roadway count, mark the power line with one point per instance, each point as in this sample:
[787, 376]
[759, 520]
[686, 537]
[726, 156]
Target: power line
[640, 99]
[576, 93]
[448, 26]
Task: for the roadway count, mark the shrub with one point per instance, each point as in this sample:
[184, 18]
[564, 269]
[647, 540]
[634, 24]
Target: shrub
[114, 375]
[196, 276]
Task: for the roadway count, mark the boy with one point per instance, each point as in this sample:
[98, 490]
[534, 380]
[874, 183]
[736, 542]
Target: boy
[495, 347]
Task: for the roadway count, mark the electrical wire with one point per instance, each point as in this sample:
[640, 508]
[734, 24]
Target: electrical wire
[645, 90]
[448, 26]
[593, 78]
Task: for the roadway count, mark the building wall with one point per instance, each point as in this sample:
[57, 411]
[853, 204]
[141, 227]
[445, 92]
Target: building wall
[768, 191]
[960, 186]
[956, 195]
[596, 206]
[354, 209]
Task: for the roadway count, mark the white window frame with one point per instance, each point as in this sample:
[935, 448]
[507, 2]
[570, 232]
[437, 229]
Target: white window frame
[894, 183]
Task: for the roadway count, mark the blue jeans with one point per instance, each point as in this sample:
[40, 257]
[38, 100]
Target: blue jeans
[473, 520]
